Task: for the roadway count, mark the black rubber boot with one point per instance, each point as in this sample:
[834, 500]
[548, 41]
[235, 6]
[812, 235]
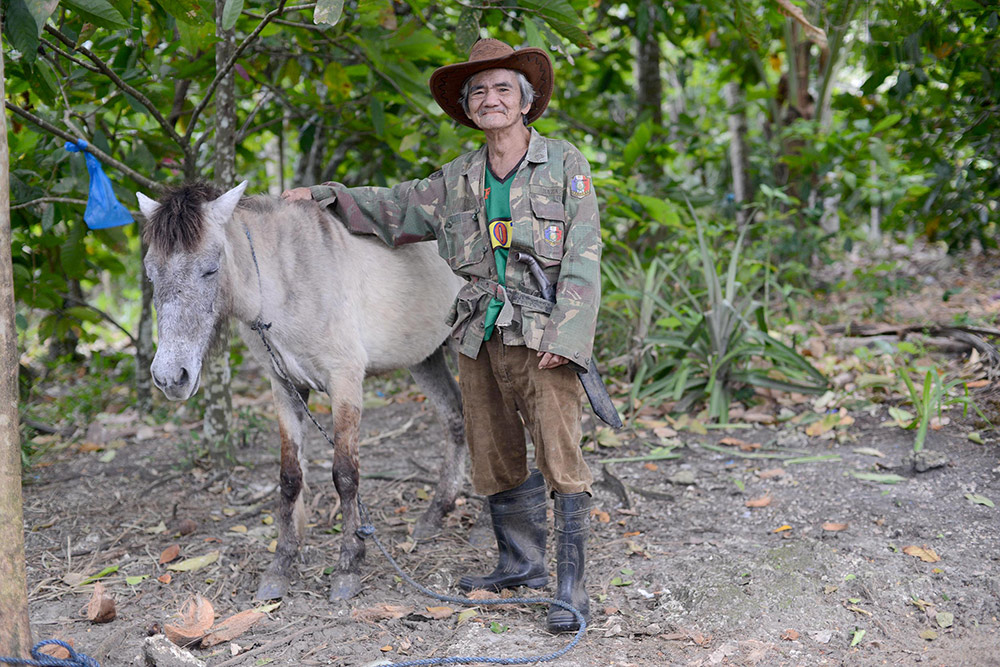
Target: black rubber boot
[572, 512]
[519, 523]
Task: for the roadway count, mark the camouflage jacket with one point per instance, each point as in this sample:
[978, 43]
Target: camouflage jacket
[554, 218]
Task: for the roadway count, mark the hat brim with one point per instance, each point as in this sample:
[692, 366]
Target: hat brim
[446, 82]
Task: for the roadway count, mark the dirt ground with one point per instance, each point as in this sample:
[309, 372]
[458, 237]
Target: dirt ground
[681, 570]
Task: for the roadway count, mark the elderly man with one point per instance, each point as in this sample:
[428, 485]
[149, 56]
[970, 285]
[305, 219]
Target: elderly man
[527, 193]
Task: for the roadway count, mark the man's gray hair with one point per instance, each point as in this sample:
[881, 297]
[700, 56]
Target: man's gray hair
[527, 90]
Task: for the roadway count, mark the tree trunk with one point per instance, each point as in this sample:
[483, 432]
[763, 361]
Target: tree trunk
[217, 373]
[144, 340]
[738, 149]
[650, 93]
[15, 632]
[650, 86]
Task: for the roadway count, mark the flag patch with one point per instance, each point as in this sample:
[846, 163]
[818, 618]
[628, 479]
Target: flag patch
[579, 186]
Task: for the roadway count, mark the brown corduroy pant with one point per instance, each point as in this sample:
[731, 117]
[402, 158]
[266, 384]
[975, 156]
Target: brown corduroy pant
[504, 385]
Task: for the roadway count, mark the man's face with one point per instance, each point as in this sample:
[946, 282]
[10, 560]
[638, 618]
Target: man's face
[495, 100]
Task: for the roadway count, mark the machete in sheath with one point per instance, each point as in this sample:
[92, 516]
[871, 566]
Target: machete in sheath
[592, 383]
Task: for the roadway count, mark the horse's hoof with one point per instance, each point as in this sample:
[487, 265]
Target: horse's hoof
[344, 586]
[272, 588]
[428, 525]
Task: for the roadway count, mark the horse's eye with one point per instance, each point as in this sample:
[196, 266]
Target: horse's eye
[210, 272]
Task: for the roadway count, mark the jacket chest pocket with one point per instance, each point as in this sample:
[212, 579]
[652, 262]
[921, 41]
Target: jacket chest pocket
[549, 226]
[463, 240]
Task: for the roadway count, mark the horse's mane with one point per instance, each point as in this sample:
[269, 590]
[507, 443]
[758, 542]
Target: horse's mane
[178, 220]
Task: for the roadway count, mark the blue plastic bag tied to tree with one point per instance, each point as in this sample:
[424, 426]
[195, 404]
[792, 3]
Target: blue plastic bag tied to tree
[103, 208]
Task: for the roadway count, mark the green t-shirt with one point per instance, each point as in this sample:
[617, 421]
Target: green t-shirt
[497, 196]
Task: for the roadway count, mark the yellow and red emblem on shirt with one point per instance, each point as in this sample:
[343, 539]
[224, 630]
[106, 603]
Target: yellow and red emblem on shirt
[579, 185]
[500, 233]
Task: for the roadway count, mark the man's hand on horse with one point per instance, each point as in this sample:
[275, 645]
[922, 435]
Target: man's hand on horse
[295, 194]
[550, 360]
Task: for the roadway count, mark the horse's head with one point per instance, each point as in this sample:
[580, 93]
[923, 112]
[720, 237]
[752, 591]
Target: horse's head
[186, 238]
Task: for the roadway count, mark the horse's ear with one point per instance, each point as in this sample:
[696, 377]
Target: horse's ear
[223, 207]
[146, 205]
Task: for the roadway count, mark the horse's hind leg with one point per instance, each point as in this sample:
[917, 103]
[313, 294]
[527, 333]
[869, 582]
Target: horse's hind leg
[437, 382]
[291, 505]
[346, 580]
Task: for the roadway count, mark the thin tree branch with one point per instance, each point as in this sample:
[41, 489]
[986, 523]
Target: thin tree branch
[183, 143]
[69, 56]
[48, 200]
[93, 150]
[293, 24]
[210, 91]
[241, 133]
[104, 315]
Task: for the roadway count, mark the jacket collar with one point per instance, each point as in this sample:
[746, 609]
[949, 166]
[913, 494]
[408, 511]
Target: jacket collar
[538, 151]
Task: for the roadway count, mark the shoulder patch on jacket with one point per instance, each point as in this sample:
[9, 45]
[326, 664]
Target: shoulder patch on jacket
[579, 186]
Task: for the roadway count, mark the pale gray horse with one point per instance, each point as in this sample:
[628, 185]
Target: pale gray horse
[339, 307]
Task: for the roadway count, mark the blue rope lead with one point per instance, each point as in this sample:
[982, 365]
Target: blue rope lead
[44, 660]
[367, 530]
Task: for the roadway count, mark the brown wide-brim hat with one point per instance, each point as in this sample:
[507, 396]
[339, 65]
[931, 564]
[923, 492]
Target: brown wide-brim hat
[446, 82]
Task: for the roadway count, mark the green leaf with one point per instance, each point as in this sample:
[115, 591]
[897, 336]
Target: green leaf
[467, 29]
[328, 12]
[858, 636]
[976, 438]
[638, 144]
[135, 581]
[40, 10]
[231, 12]
[99, 12]
[377, 111]
[561, 16]
[877, 477]
[664, 211]
[980, 500]
[21, 30]
[497, 627]
[191, 12]
[945, 619]
[100, 575]
[887, 122]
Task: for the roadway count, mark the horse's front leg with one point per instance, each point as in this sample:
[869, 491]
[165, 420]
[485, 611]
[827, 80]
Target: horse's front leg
[346, 580]
[291, 504]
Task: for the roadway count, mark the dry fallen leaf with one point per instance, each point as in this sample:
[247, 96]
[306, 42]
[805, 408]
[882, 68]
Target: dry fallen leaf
[232, 627]
[164, 578]
[600, 515]
[192, 564]
[923, 553]
[742, 444]
[651, 467]
[771, 473]
[438, 613]
[829, 525]
[762, 501]
[781, 529]
[101, 608]
[790, 635]
[381, 612]
[196, 616]
[170, 553]
[481, 594]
